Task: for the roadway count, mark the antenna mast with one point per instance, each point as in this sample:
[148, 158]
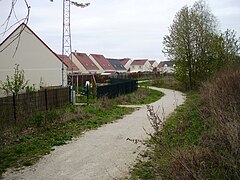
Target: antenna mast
[66, 36]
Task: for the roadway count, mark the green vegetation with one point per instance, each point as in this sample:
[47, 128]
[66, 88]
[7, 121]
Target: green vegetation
[200, 140]
[181, 130]
[25, 144]
[141, 96]
[196, 46]
[14, 83]
[168, 82]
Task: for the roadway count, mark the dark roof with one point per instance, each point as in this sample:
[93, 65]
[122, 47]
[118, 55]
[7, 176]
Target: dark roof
[116, 64]
[103, 62]
[163, 63]
[87, 63]
[152, 61]
[139, 62]
[67, 61]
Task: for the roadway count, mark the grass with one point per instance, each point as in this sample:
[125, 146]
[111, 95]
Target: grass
[201, 140]
[168, 82]
[23, 146]
[141, 96]
[183, 129]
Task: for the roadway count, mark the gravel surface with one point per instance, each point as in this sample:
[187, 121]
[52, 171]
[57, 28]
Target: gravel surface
[104, 153]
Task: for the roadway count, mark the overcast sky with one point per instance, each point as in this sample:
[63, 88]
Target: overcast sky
[115, 28]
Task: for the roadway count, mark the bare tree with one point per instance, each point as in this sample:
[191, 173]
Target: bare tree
[7, 25]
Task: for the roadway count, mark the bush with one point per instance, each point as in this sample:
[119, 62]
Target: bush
[222, 99]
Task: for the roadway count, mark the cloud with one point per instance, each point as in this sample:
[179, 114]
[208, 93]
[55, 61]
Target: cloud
[126, 28]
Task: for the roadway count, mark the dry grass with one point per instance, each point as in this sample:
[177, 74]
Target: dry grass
[222, 98]
[202, 140]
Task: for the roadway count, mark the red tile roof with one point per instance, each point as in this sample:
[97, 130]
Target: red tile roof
[139, 62]
[124, 61]
[87, 63]
[67, 61]
[103, 62]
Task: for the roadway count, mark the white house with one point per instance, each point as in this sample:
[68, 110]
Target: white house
[102, 63]
[71, 66]
[154, 64]
[141, 65]
[84, 63]
[41, 65]
[126, 62]
[166, 67]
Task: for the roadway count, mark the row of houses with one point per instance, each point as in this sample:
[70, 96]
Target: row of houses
[43, 67]
[98, 64]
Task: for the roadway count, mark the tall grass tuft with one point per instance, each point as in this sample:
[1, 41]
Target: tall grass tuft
[222, 102]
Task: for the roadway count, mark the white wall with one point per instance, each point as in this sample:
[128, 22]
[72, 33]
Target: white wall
[101, 70]
[142, 68]
[79, 65]
[40, 64]
[127, 65]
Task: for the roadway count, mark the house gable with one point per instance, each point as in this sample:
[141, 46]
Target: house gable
[87, 65]
[41, 65]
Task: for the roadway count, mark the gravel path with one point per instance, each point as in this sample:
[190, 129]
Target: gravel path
[100, 154]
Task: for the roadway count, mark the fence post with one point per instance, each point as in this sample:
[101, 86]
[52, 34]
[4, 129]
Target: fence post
[14, 109]
[46, 99]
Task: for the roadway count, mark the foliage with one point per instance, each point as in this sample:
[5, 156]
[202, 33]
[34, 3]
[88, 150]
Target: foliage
[169, 140]
[196, 46]
[15, 83]
[23, 146]
[200, 141]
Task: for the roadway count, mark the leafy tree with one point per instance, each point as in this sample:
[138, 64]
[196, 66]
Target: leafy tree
[14, 83]
[196, 46]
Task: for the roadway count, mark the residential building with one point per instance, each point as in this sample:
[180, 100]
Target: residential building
[154, 64]
[71, 66]
[126, 62]
[84, 63]
[166, 67]
[140, 65]
[42, 67]
[102, 63]
[119, 68]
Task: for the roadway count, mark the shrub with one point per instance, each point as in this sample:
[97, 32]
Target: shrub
[222, 99]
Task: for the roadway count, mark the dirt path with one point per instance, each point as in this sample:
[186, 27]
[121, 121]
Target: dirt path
[100, 154]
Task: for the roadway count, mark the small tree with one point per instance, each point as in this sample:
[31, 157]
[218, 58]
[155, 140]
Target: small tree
[196, 46]
[14, 83]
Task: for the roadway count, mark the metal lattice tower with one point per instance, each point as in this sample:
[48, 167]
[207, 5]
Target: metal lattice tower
[66, 37]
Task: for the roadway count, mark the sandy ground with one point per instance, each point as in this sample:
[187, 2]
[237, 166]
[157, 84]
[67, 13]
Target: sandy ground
[101, 154]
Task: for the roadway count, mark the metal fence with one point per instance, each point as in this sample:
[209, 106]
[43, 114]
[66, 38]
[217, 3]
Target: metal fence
[18, 109]
[116, 88]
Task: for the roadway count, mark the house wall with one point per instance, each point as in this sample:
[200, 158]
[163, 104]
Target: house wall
[167, 69]
[155, 64]
[42, 67]
[101, 70]
[127, 65]
[79, 65]
[142, 68]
